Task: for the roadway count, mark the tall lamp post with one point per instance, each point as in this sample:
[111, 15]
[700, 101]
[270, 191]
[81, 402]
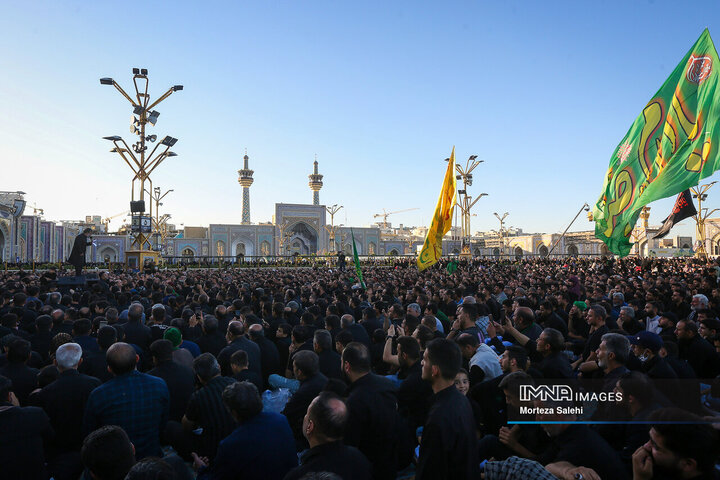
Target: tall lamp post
[700, 192]
[155, 197]
[465, 201]
[140, 162]
[501, 232]
[332, 228]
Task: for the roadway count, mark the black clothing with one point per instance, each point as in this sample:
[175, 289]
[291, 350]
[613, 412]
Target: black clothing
[335, 457]
[581, 446]
[554, 321]
[359, 334]
[213, 343]
[22, 431]
[40, 343]
[449, 448]
[252, 377]
[64, 402]
[269, 358]
[701, 356]
[373, 422]
[96, 366]
[77, 254]
[180, 381]
[240, 343]
[87, 343]
[594, 340]
[24, 380]
[283, 345]
[330, 364]
[208, 411]
[556, 365]
[298, 404]
[492, 403]
[138, 334]
[414, 397]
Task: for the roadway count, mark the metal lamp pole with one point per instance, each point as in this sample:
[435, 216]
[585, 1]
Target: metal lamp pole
[141, 163]
[699, 192]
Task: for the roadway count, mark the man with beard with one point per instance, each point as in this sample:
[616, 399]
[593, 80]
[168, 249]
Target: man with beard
[698, 302]
[698, 352]
[686, 450]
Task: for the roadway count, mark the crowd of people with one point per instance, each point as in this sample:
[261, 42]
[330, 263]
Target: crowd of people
[305, 373]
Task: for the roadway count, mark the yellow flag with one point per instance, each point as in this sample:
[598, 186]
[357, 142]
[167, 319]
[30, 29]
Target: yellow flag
[442, 220]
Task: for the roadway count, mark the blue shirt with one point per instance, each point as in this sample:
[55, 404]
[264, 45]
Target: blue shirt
[261, 448]
[138, 403]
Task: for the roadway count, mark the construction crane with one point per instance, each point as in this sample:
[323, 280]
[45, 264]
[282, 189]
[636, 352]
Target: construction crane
[385, 214]
[106, 221]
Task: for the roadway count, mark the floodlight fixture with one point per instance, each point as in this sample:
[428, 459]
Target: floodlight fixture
[136, 71]
[172, 154]
[143, 71]
[462, 192]
[114, 138]
[177, 88]
[151, 138]
[134, 129]
[138, 110]
[153, 117]
[106, 81]
[169, 141]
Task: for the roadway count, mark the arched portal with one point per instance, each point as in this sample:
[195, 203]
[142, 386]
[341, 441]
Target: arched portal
[188, 252]
[518, 252]
[2, 245]
[393, 252]
[303, 239]
[543, 251]
[572, 250]
[107, 254]
[496, 252]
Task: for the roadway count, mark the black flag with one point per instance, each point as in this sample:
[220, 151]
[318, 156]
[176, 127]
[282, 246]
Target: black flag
[683, 209]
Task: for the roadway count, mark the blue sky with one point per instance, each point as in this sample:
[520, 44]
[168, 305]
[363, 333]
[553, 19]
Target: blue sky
[380, 91]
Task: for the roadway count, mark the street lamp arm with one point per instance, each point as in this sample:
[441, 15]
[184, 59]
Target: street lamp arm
[124, 94]
[120, 152]
[157, 162]
[160, 99]
[129, 151]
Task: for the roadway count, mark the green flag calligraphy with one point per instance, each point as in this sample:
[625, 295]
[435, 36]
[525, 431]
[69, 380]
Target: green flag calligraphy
[671, 146]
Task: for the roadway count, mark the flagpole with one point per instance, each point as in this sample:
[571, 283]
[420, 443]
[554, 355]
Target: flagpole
[700, 194]
[585, 207]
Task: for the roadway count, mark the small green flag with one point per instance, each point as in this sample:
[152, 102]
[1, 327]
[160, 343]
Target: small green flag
[357, 261]
[671, 146]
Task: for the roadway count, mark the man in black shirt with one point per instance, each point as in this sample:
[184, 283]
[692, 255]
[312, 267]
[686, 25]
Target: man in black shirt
[269, 354]
[306, 371]
[328, 357]
[373, 419]
[324, 427]
[241, 372]
[449, 444]
[596, 320]
[22, 432]
[206, 421]
[64, 402]
[237, 341]
[180, 379]
[414, 393]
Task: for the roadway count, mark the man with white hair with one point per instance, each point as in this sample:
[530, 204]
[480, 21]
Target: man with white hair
[64, 402]
[698, 302]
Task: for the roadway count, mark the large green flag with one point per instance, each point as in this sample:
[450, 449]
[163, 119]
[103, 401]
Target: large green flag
[671, 146]
[357, 261]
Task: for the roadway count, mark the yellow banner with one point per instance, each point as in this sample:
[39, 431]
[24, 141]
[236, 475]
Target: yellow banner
[442, 220]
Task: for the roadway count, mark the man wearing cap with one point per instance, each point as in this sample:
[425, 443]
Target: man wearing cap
[667, 323]
[180, 356]
[577, 327]
[646, 346]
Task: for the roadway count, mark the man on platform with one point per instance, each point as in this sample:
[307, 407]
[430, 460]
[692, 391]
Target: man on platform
[77, 255]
